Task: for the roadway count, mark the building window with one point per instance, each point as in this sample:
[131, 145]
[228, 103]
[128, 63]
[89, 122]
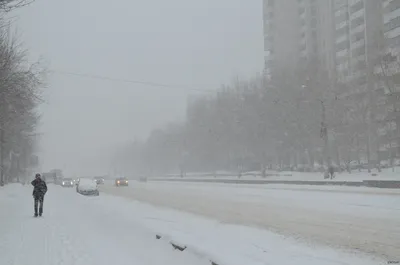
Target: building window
[357, 22]
[342, 31]
[392, 24]
[342, 17]
[393, 42]
[358, 6]
[342, 59]
[342, 45]
[358, 36]
[392, 6]
[339, 3]
[358, 51]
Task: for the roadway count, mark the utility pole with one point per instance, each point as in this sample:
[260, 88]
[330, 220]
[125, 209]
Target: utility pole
[2, 125]
[324, 134]
[2, 154]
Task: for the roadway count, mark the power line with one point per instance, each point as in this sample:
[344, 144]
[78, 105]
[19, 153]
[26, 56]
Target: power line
[146, 83]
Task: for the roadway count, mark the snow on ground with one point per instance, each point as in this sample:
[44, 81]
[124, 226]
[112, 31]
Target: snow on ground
[112, 230]
[76, 230]
[229, 244]
[365, 221]
[386, 174]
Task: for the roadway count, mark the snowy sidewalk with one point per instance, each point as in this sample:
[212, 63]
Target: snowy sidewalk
[75, 231]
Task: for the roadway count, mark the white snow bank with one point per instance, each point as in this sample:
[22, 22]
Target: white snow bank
[365, 221]
[229, 244]
[386, 174]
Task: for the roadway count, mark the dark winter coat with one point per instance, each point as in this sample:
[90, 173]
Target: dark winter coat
[39, 188]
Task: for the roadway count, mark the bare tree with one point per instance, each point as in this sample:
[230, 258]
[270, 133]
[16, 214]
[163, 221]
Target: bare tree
[19, 96]
[9, 5]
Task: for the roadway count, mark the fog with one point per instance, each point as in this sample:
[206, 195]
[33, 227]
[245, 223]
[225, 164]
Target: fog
[185, 44]
[189, 122]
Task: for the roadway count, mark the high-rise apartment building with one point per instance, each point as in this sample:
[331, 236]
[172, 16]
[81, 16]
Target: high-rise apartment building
[326, 37]
[281, 30]
[343, 35]
[358, 27]
[296, 31]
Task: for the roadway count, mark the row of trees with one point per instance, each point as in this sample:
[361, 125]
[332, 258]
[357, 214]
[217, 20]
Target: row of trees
[301, 118]
[20, 84]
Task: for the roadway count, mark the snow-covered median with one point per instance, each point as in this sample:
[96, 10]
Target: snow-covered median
[227, 244]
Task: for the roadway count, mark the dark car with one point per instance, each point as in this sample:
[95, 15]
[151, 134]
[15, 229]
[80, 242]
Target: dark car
[99, 180]
[121, 182]
[67, 182]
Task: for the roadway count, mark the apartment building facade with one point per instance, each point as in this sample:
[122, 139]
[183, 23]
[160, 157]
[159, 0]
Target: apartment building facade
[358, 33]
[391, 20]
[344, 35]
[281, 29]
[298, 31]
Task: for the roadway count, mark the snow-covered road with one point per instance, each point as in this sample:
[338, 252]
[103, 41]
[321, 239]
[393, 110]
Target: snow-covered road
[76, 230]
[79, 230]
[364, 219]
[111, 230]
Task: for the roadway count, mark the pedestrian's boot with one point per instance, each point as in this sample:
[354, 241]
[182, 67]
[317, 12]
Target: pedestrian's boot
[36, 215]
[40, 211]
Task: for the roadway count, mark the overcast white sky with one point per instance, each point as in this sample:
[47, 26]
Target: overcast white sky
[191, 43]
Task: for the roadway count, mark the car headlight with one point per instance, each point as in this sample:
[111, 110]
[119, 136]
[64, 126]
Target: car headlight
[63, 183]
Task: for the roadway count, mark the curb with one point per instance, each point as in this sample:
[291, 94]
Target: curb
[383, 184]
[182, 247]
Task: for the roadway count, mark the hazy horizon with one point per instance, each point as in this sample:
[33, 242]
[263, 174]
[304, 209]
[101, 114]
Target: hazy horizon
[193, 44]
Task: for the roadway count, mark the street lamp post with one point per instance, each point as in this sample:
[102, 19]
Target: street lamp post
[324, 133]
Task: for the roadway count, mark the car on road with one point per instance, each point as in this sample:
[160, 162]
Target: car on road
[99, 180]
[67, 182]
[121, 182]
[87, 187]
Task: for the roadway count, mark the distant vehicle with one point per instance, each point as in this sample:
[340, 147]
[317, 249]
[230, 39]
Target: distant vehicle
[57, 175]
[49, 177]
[99, 180]
[87, 187]
[58, 181]
[121, 182]
[57, 172]
[67, 182]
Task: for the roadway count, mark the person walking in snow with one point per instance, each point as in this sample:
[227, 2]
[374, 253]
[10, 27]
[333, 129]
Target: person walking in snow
[39, 190]
[331, 170]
